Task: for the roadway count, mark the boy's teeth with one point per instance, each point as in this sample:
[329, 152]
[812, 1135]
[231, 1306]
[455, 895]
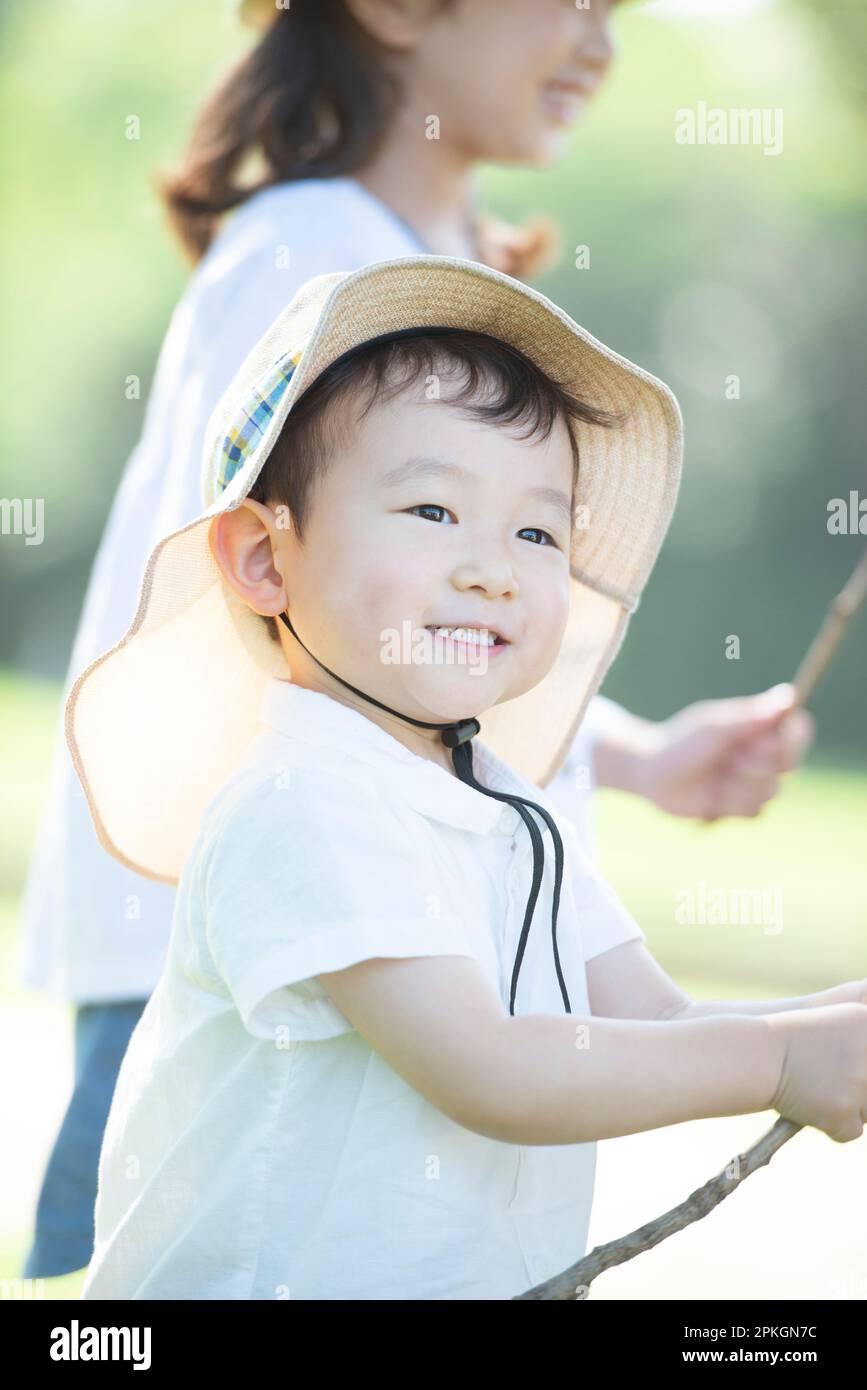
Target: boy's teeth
[466, 634]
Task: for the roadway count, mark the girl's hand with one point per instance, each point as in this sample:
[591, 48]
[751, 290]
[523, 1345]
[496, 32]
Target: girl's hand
[725, 757]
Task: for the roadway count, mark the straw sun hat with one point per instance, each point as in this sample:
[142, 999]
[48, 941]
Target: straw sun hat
[159, 722]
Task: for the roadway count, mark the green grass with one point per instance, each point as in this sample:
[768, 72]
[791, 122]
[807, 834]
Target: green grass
[807, 845]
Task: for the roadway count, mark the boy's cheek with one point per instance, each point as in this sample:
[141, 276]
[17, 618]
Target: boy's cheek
[389, 602]
[399, 586]
[550, 611]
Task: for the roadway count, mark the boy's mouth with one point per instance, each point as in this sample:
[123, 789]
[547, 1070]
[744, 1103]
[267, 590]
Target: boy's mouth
[469, 636]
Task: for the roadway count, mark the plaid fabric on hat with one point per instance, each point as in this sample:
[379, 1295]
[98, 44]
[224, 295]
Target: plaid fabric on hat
[244, 437]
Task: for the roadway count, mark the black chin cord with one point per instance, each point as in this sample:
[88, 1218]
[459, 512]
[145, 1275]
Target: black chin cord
[458, 736]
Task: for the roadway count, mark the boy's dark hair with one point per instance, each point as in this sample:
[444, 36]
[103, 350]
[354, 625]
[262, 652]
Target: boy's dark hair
[497, 384]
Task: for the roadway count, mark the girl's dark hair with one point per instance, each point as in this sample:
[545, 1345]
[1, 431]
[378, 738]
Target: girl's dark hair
[497, 384]
[311, 99]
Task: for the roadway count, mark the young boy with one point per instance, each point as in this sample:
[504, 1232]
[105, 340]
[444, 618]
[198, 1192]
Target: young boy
[398, 1009]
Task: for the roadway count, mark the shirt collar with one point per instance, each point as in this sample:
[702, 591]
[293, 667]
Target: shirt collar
[316, 719]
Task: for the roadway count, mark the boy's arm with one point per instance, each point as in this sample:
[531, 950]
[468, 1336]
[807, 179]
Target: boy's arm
[627, 982]
[852, 992]
[545, 1078]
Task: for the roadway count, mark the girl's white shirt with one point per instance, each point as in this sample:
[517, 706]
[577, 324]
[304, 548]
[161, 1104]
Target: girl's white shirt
[257, 1146]
[93, 930]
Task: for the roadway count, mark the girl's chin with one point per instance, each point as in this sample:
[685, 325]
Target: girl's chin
[539, 140]
[543, 150]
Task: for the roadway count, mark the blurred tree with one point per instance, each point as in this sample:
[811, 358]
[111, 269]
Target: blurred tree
[842, 27]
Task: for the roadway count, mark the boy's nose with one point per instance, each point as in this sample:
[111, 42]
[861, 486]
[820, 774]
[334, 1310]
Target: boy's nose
[495, 578]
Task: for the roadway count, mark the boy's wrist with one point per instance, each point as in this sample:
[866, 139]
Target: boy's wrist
[731, 1065]
[773, 1055]
[754, 1053]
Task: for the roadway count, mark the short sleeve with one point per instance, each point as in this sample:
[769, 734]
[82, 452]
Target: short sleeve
[603, 920]
[307, 875]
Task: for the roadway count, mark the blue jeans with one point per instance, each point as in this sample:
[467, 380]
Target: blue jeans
[63, 1241]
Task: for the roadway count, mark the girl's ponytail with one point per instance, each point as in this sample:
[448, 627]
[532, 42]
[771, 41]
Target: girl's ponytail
[309, 100]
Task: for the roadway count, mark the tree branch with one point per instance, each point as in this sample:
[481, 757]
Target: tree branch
[574, 1283]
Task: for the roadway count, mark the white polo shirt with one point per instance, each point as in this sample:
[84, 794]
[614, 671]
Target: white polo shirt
[257, 1147]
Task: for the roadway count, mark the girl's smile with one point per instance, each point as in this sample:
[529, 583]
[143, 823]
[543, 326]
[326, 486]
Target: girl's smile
[563, 104]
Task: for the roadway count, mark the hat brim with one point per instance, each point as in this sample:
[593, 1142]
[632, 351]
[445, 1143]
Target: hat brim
[156, 725]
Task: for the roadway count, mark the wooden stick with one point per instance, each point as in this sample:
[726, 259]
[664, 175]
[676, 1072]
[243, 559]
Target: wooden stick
[840, 612]
[574, 1283]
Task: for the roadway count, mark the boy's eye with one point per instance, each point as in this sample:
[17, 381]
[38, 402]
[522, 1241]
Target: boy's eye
[429, 507]
[534, 530]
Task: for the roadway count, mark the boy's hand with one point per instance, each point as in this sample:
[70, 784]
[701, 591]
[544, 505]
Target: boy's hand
[823, 1078]
[725, 757]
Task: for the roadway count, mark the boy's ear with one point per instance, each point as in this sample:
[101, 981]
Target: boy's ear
[242, 543]
[260, 509]
[248, 517]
